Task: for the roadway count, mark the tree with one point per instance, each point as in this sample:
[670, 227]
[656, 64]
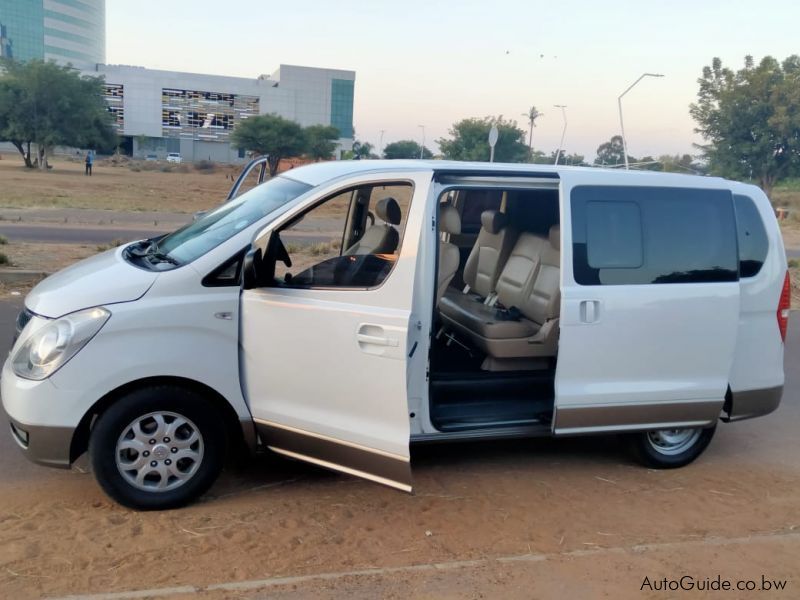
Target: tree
[321, 141]
[612, 152]
[532, 114]
[270, 135]
[364, 150]
[680, 164]
[574, 160]
[750, 119]
[469, 140]
[405, 149]
[46, 105]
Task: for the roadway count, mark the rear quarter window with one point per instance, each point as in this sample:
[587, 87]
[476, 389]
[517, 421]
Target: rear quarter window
[753, 242]
[653, 235]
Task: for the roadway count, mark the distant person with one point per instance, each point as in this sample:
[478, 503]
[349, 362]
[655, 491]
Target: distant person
[89, 162]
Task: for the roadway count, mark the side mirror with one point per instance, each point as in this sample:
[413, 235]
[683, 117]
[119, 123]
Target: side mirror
[250, 266]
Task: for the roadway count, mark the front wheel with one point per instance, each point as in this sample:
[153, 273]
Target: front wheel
[158, 447]
[669, 448]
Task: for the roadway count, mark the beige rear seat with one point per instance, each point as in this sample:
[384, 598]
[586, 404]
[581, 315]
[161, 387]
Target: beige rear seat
[530, 283]
[484, 264]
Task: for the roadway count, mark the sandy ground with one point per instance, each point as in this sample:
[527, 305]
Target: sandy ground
[525, 519]
[110, 188]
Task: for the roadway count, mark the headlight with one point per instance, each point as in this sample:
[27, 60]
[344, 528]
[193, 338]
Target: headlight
[54, 343]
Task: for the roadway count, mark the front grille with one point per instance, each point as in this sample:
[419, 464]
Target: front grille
[22, 320]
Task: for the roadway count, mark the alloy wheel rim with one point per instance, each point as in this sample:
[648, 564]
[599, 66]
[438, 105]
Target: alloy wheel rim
[159, 451]
[671, 442]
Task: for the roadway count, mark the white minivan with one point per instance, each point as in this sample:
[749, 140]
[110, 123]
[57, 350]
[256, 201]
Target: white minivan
[342, 311]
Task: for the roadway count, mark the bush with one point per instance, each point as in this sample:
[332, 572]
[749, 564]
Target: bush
[794, 263]
[205, 165]
[4, 260]
[114, 244]
[166, 168]
[3, 240]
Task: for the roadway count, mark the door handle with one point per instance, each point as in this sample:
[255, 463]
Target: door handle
[376, 340]
[590, 311]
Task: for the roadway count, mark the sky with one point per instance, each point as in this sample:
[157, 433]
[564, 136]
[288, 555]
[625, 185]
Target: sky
[434, 62]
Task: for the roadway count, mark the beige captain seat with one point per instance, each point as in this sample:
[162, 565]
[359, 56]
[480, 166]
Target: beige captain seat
[383, 238]
[449, 256]
[484, 264]
[529, 285]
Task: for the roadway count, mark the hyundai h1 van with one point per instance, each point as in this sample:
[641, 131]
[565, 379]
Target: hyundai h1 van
[342, 311]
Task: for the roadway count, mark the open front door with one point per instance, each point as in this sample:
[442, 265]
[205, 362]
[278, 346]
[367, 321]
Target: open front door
[325, 341]
[650, 303]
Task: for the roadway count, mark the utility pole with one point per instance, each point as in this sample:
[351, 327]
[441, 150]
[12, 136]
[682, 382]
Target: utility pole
[619, 104]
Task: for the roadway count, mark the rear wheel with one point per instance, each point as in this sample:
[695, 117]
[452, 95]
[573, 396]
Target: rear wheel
[158, 447]
[669, 448]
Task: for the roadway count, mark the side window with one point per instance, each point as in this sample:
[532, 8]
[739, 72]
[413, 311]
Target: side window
[753, 242]
[350, 240]
[473, 203]
[643, 235]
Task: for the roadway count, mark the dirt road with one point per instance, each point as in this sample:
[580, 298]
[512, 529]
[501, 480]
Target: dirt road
[570, 518]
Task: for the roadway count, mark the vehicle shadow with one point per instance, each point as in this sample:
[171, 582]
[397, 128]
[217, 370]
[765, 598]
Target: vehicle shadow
[429, 461]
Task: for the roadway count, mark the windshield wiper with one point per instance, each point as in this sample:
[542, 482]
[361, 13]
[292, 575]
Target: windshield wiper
[151, 251]
[161, 257]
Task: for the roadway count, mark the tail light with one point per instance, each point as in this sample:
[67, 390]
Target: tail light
[784, 305]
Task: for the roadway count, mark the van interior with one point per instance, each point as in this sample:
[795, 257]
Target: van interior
[493, 356]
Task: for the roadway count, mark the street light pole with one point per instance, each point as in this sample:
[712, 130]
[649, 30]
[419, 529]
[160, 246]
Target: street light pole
[380, 144]
[563, 108]
[619, 104]
[422, 147]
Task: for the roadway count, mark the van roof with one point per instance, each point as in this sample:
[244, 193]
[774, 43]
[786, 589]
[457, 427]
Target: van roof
[319, 173]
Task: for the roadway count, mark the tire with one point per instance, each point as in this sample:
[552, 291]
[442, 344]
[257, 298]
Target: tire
[669, 448]
[145, 472]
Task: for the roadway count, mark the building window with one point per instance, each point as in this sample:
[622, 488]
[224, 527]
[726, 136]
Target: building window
[114, 95]
[202, 114]
[342, 106]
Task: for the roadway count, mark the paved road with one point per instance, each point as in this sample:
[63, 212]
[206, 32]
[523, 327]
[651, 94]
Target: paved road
[63, 234]
[546, 518]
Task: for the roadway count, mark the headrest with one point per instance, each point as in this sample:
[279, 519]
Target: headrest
[493, 220]
[555, 237]
[388, 210]
[449, 219]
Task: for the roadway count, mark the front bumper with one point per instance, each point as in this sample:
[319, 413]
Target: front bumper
[41, 422]
[48, 446]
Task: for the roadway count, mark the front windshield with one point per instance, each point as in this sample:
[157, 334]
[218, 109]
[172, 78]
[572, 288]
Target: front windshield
[221, 224]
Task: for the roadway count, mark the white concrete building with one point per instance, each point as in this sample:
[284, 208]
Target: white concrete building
[164, 111]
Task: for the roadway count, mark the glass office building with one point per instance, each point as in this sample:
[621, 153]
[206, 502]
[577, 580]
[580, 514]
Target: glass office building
[66, 31]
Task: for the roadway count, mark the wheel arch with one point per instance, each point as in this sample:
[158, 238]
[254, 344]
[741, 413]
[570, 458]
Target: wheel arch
[240, 432]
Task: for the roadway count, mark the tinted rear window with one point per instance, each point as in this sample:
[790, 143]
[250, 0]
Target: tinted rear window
[753, 242]
[643, 235]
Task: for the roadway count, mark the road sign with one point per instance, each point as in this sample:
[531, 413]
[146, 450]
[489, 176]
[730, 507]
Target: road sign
[493, 135]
